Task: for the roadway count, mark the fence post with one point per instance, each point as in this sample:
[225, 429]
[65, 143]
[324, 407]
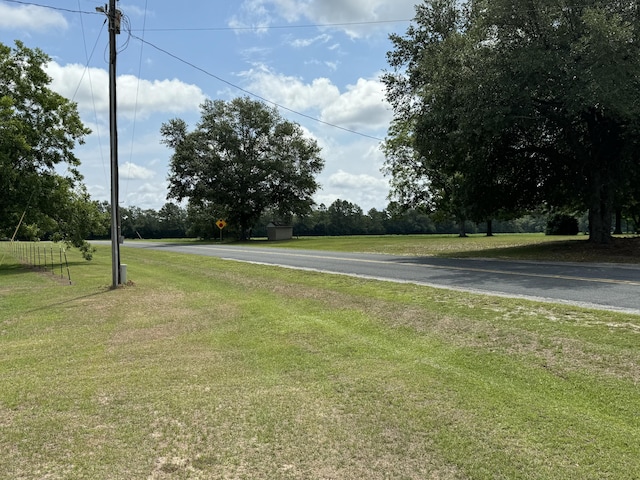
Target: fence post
[67, 263]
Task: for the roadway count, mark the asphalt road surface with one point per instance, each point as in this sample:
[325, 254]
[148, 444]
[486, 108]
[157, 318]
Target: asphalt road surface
[602, 286]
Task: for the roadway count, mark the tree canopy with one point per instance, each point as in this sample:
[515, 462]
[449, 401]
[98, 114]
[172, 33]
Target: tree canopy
[502, 106]
[38, 131]
[241, 159]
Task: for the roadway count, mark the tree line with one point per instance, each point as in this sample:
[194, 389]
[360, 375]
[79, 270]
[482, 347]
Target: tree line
[339, 218]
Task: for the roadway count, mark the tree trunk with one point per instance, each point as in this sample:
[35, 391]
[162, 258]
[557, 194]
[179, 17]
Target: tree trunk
[605, 161]
[618, 228]
[600, 210]
[462, 232]
[489, 228]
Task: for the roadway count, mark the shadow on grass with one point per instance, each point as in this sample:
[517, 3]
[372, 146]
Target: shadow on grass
[620, 250]
[67, 301]
[56, 273]
[13, 269]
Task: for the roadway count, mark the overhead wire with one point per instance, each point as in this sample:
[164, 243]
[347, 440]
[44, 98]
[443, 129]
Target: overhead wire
[127, 27]
[93, 100]
[279, 27]
[60, 9]
[185, 29]
[137, 96]
[130, 34]
[524, 9]
[252, 94]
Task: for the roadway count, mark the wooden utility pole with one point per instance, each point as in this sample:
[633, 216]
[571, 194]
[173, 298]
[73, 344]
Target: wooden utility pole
[113, 15]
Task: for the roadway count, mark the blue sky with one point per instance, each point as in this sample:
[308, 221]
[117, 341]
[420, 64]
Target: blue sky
[321, 58]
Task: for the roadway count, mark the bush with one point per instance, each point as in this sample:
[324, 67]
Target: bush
[561, 224]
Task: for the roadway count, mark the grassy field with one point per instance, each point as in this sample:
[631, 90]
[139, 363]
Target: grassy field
[533, 246]
[207, 369]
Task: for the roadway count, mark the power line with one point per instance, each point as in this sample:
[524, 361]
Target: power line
[87, 71]
[135, 109]
[237, 87]
[281, 27]
[272, 27]
[255, 95]
[60, 9]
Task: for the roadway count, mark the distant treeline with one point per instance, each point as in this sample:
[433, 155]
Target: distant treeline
[340, 218]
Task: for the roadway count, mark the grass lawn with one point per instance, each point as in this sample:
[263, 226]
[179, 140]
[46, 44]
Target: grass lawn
[209, 369]
[528, 246]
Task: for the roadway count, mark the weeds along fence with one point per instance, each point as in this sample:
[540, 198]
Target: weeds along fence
[47, 258]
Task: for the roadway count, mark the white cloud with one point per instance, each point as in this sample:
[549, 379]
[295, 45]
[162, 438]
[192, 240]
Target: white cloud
[361, 107]
[332, 65]
[306, 42]
[136, 97]
[335, 11]
[289, 91]
[353, 173]
[131, 171]
[170, 96]
[345, 180]
[341, 14]
[363, 190]
[254, 15]
[147, 196]
[30, 18]
[98, 192]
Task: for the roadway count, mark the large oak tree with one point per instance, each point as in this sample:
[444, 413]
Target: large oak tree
[241, 159]
[502, 105]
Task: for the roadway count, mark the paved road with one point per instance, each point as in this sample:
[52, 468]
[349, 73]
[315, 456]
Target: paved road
[603, 286]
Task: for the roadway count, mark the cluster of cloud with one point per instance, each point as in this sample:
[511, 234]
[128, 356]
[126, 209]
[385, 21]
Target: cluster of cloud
[340, 14]
[140, 98]
[361, 106]
[31, 17]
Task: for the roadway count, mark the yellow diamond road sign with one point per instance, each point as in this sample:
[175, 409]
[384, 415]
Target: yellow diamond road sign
[221, 224]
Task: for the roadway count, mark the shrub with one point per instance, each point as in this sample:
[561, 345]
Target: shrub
[562, 224]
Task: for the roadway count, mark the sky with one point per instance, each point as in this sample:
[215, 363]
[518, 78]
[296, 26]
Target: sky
[319, 61]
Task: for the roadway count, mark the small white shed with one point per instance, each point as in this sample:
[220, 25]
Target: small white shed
[279, 231]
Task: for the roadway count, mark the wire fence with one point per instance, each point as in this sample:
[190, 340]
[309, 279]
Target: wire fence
[46, 258]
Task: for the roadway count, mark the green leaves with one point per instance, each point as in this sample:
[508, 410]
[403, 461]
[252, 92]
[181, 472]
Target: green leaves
[38, 132]
[505, 106]
[242, 159]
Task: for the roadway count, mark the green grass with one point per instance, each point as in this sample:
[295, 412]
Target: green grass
[417, 244]
[533, 246]
[204, 368]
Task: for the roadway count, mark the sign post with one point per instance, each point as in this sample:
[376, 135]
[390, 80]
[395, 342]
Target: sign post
[221, 224]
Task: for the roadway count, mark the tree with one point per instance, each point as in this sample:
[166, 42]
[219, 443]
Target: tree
[345, 218]
[173, 221]
[500, 108]
[241, 159]
[38, 132]
[376, 221]
[76, 218]
[437, 151]
[201, 220]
